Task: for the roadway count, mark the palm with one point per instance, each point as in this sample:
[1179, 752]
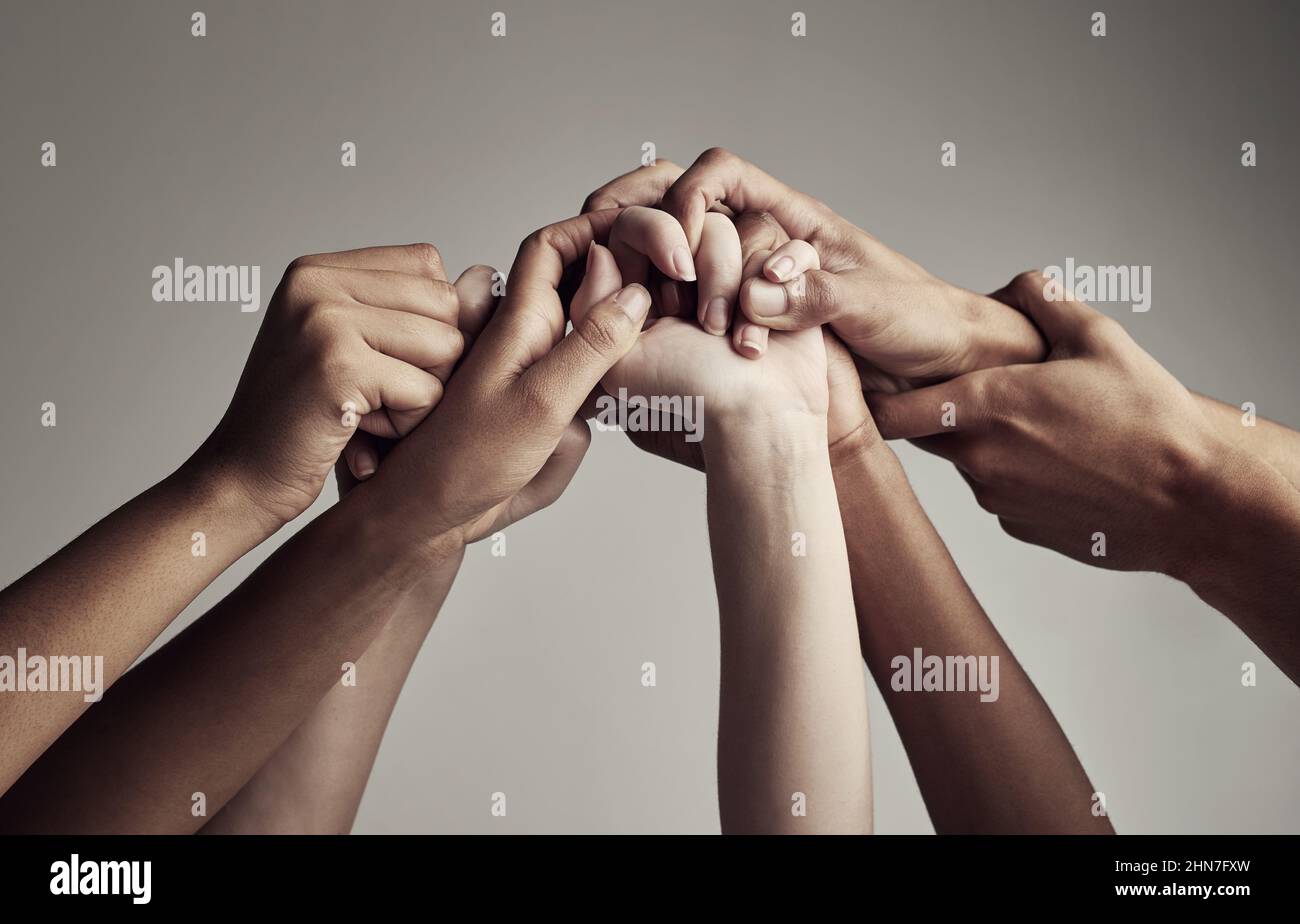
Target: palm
[675, 357]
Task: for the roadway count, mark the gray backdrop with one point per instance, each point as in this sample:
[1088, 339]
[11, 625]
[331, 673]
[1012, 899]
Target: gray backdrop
[225, 149]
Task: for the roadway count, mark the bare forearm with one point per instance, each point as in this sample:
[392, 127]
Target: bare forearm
[1277, 445]
[792, 731]
[314, 782]
[110, 592]
[207, 711]
[1240, 552]
[989, 758]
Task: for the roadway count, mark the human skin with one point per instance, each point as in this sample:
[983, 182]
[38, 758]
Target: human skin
[908, 594]
[792, 715]
[1101, 439]
[908, 329]
[375, 328]
[313, 783]
[911, 326]
[984, 767]
[327, 593]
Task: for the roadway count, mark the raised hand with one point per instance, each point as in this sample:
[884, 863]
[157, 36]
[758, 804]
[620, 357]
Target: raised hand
[358, 340]
[489, 453]
[1102, 455]
[674, 357]
[911, 326]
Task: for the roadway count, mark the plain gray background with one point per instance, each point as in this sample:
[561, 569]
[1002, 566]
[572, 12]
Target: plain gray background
[225, 149]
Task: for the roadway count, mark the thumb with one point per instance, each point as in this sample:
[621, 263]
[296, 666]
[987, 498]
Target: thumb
[474, 292]
[1051, 307]
[807, 300]
[577, 363]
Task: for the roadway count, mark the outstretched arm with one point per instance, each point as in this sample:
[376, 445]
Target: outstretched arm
[989, 756]
[242, 679]
[110, 592]
[206, 711]
[1270, 442]
[115, 588]
[792, 728]
[1102, 455]
[313, 782]
[792, 725]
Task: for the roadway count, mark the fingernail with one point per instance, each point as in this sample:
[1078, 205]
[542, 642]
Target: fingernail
[766, 299]
[365, 464]
[634, 300]
[715, 315]
[752, 343]
[683, 263]
[782, 268]
[591, 255]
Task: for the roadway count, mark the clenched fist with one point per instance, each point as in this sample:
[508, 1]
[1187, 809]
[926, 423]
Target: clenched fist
[357, 340]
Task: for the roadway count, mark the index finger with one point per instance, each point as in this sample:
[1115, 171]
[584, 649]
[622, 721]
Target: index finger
[960, 404]
[642, 186]
[413, 259]
[718, 176]
[530, 319]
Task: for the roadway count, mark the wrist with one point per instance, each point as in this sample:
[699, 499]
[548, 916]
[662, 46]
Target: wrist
[219, 486]
[765, 433]
[863, 453]
[992, 334]
[764, 444]
[1237, 507]
[387, 521]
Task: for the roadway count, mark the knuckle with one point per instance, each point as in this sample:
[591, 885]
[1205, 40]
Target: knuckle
[978, 393]
[541, 240]
[302, 277]
[433, 392]
[578, 439]
[441, 293]
[717, 157]
[455, 341]
[427, 256]
[322, 323]
[1029, 281]
[337, 364]
[807, 292]
[596, 201]
[600, 332]
[1012, 529]
[984, 498]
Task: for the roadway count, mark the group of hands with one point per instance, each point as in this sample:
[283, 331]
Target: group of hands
[721, 282]
[450, 410]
